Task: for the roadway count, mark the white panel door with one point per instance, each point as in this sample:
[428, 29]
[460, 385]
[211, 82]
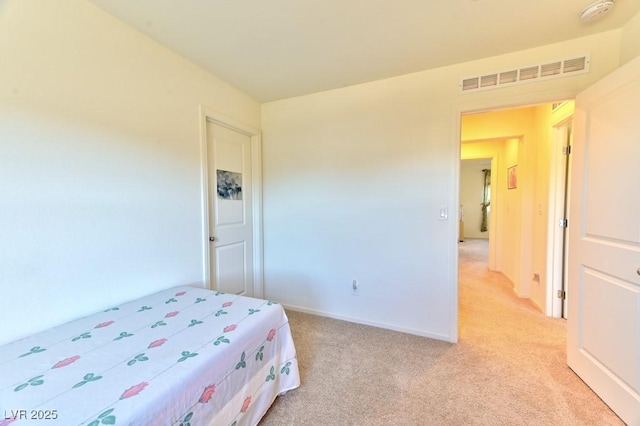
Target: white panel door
[230, 209]
[603, 334]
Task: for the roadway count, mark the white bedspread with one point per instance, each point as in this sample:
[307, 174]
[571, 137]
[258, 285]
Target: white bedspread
[181, 356]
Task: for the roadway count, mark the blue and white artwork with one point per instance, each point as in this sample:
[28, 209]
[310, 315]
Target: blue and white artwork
[229, 185]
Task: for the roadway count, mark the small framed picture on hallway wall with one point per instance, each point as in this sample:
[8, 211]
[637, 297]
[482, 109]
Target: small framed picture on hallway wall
[512, 177]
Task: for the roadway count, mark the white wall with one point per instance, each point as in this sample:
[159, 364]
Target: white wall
[471, 196]
[354, 180]
[100, 184]
[630, 40]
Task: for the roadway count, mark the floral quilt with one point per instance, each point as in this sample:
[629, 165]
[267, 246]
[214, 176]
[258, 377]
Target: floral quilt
[183, 356]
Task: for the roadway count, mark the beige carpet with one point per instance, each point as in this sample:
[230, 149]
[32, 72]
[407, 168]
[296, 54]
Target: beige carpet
[509, 367]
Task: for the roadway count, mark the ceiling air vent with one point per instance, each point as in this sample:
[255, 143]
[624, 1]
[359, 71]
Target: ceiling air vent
[539, 72]
[548, 70]
[573, 65]
[508, 77]
[470, 83]
[529, 73]
[489, 80]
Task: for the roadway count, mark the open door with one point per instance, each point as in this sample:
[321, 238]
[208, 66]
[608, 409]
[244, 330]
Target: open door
[603, 326]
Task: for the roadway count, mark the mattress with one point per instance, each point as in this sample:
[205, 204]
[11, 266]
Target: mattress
[180, 356]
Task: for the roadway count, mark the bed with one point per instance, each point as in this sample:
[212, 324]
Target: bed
[183, 356]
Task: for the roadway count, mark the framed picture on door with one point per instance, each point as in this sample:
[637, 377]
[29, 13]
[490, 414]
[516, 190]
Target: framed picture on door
[512, 177]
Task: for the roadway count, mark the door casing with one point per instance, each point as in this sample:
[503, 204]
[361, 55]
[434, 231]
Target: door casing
[209, 115]
[557, 243]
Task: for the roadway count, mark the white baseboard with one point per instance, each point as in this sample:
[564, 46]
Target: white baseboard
[383, 325]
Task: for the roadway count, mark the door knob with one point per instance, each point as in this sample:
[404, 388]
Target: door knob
[212, 238]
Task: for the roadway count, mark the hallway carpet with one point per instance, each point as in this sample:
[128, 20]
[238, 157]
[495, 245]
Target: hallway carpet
[509, 367]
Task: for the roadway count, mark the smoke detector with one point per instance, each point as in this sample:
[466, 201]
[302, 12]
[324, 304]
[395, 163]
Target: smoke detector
[596, 10]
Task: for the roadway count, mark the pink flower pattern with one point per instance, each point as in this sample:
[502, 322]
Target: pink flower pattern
[181, 293]
[207, 394]
[66, 362]
[271, 335]
[134, 390]
[230, 328]
[172, 314]
[157, 343]
[245, 405]
[227, 304]
[104, 324]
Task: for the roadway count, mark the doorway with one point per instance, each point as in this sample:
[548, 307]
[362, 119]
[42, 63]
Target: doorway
[475, 203]
[526, 191]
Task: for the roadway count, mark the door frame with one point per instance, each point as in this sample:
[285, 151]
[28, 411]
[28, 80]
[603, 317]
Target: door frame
[210, 115]
[516, 101]
[557, 242]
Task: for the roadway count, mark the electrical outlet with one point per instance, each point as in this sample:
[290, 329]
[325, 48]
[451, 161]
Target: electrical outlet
[355, 286]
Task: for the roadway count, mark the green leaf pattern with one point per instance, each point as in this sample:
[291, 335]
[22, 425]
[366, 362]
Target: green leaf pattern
[34, 381]
[272, 374]
[123, 335]
[220, 340]
[187, 420]
[286, 369]
[186, 355]
[86, 335]
[158, 324]
[242, 363]
[260, 353]
[105, 418]
[138, 358]
[33, 350]
[89, 377]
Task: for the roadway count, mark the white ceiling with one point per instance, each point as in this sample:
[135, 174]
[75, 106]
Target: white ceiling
[275, 49]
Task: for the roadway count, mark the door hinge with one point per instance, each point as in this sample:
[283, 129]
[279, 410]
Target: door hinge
[563, 223]
[566, 150]
[562, 294]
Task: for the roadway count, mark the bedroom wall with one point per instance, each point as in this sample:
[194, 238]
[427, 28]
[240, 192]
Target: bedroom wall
[355, 179]
[630, 40]
[100, 178]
